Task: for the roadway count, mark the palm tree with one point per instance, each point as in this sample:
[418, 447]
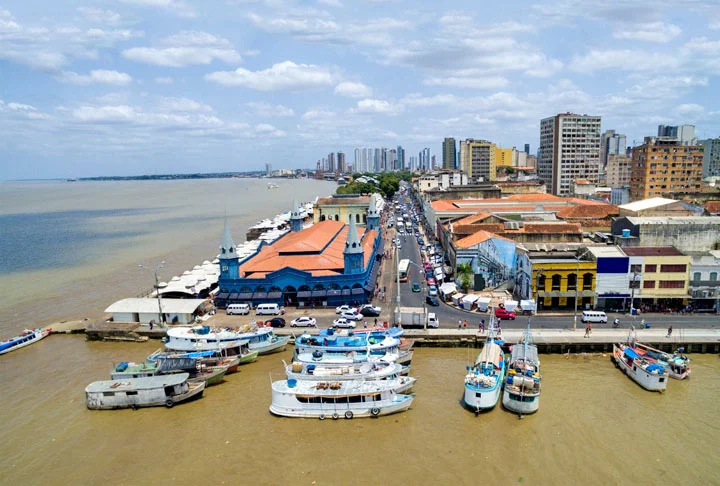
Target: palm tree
[465, 274]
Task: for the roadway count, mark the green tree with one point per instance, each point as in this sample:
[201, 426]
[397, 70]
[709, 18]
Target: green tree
[465, 274]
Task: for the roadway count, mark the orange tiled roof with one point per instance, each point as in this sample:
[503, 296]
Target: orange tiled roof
[712, 207]
[588, 212]
[478, 237]
[318, 250]
[473, 218]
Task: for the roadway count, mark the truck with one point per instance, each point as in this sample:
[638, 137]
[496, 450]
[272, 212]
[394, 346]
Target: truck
[411, 316]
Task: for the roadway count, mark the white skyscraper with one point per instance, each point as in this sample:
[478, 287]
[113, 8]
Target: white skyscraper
[357, 162]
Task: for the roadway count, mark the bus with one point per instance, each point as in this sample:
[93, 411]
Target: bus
[403, 268]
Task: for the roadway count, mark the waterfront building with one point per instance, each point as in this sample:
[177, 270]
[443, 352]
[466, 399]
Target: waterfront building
[331, 162]
[663, 273]
[704, 281]
[685, 134]
[611, 143]
[490, 256]
[477, 159]
[569, 150]
[663, 166]
[711, 157]
[327, 264]
[144, 310]
[342, 207]
[618, 170]
[449, 153]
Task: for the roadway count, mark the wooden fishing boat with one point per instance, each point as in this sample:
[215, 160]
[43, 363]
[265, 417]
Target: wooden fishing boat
[134, 393]
[644, 371]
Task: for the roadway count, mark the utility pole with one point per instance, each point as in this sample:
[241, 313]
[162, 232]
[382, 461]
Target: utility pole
[577, 284]
[157, 289]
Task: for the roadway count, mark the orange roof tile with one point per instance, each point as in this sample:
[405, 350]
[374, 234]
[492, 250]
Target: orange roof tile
[588, 212]
[315, 249]
[477, 238]
[473, 218]
[712, 207]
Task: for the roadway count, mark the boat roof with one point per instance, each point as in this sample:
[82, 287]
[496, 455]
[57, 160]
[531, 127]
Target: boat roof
[491, 352]
[630, 353]
[518, 351]
[148, 383]
[347, 387]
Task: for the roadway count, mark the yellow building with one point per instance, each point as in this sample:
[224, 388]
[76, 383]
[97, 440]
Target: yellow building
[340, 207]
[477, 159]
[503, 157]
[662, 276]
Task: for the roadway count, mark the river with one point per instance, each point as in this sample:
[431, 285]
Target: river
[594, 426]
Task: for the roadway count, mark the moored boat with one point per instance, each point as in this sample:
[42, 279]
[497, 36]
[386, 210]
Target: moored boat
[677, 364]
[522, 387]
[335, 399]
[644, 371]
[345, 359]
[201, 338]
[376, 370]
[373, 344]
[484, 379]
[26, 338]
[153, 391]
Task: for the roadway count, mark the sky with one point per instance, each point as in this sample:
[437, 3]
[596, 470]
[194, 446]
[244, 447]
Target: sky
[130, 87]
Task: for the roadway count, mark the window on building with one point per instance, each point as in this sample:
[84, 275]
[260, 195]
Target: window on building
[673, 268]
[649, 284]
[541, 282]
[587, 281]
[651, 268]
[572, 282]
[635, 284]
[672, 284]
[697, 276]
[636, 268]
[713, 276]
[556, 282]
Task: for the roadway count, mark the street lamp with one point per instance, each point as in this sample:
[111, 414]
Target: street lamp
[157, 289]
[577, 284]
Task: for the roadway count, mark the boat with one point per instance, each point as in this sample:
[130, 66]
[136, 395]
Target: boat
[210, 375]
[202, 338]
[374, 370]
[377, 344]
[346, 359]
[645, 371]
[484, 379]
[153, 391]
[521, 393]
[26, 338]
[335, 399]
[272, 185]
[677, 364]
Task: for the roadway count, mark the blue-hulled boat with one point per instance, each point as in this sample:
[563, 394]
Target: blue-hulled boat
[28, 337]
[484, 380]
[373, 344]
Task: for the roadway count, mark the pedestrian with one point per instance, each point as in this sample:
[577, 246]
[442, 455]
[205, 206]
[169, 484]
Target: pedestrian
[588, 330]
[668, 334]
[459, 323]
[365, 323]
[482, 325]
[465, 324]
[151, 325]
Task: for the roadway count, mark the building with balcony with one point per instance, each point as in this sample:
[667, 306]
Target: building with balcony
[664, 273]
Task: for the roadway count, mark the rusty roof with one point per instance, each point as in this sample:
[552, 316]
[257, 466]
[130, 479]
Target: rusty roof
[652, 251]
[589, 212]
[712, 207]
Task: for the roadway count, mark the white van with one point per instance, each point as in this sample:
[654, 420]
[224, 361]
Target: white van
[433, 320]
[267, 310]
[594, 316]
[239, 309]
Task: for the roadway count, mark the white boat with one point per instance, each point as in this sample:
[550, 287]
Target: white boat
[272, 185]
[346, 359]
[335, 399]
[374, 370]
[153, 391]
[677, 364]
[522, 387]
[202, 338]
[484, 380]
[646, 372]
[28, 337]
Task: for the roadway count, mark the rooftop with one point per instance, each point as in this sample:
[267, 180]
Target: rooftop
[673, 219]
[150, 306]
[606, 251]
[712, 207]
[652, 251]
[653, 202]
[477, 238]
[601, 211]
[341, 199]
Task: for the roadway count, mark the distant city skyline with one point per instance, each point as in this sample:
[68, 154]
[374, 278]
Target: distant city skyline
[156, 87]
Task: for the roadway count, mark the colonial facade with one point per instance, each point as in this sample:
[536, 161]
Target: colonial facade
[330, 263]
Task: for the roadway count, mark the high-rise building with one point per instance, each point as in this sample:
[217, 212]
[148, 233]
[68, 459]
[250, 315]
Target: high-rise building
[412, 162]
[449, 153]
[268, 170]
[527, 148]
[357, 162]
[711, 158]
[663, 166]
[569, 150]
[377, 160]
[331, 162]
[401, 158]
[425, 163]
[685, 134]
[611, 143]
[342, 165]
[617, 170]
[477, 159]
[503, 157]
[433, 163]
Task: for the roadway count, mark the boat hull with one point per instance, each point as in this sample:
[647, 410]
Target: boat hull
[482, 399]
[248, 358]
[649, 381]
[18, 342]
[360, 410]
[272, 347]
[522, 404]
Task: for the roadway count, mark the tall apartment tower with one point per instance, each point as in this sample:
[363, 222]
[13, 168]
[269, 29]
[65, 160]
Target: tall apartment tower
[527, 148]
[401, 158]
[569, 150]
[617, 170]
[357, 163]
[341, 163]
[477, 159]
[449, 153]
[711, 160]
[663, 166]
[268, 170]
[331, 162]
[611, 143]
[685, 134]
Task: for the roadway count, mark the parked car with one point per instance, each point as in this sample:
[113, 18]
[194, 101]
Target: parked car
[352, 315]
[303, 321]
[504, 314]
[433, 321]
[416, 287]
[344, 308]
[369, 310]
[432, 300]
[431, 281]
[432, 290]
[276, 322]
[344, 323]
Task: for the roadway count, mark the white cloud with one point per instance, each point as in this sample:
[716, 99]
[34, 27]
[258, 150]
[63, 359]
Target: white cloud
[625, 59]
[352, 90]
[183, 105]
[97, 76]
[479, 82]
[267, 129]
[651, 32]
[164, 80]
[101, 16]
[266, 110]
[177, 7]
[377, 106]
[284, 76]
[703, 45]
[185, 49]
[125, 114]
[714, 25]
[690, 108]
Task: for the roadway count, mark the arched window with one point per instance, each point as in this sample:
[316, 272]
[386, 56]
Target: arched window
[697, 276]
[337, 217]
[357, 218]
[713, 276]
[365, 218]
[556, 282]
[572, 282]
[541, 283]
[322, 217]
[587, 281]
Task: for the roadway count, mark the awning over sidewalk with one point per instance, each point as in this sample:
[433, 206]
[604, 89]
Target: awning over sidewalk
[582, 293]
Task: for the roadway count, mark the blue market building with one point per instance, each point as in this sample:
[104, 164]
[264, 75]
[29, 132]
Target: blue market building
[328, 264]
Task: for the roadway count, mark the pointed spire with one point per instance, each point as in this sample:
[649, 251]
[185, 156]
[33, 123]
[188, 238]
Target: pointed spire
[372, 210]
[227, 249]
[296, 219]
[353, 244]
